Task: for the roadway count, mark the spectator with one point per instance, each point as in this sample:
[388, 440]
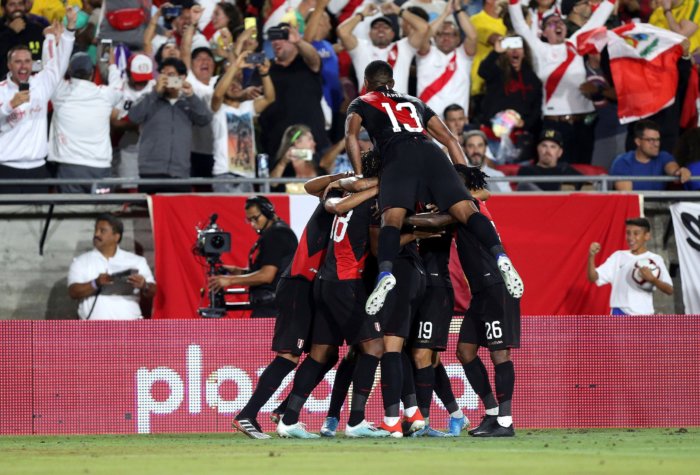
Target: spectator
[381, 45]
[455, 120]
[167, 50]
[646, 160]
[23, 122]
[679, 16]
[175, 28]
[16, 28]
[489, 28]
[124, 21]
[225, 19]
[270, 255]
[443, 68]
[137, 83]
[234, 133]
[539, 10]
[562, 71]
[296, 157]
[630, 272]
[166, 116]
[79, 141]
[549, 151]
[298, 91]
[53, 10]
[336, 159]
[512, 84]
[688, 155]
[577, 13]
[97, 278]
[475, 146]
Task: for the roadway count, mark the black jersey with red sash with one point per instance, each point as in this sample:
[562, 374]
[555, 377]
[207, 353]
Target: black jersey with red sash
[349, 244]
[388, 115]
[312, 246]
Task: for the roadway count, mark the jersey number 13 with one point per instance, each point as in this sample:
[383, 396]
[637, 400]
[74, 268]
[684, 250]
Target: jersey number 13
[412, 114]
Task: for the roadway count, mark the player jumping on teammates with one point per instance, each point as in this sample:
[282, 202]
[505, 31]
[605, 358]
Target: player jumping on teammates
[412, 164]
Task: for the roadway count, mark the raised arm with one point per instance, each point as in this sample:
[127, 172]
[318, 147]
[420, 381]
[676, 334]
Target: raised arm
[344, 30]
[465, 23]
[314, 20]
[591, 273]
[442, 134]
[421, 29]
[317, 185]
[306, 50]
[186, 42]
[150, 32]
[353, 124]
[269, 95]
[684, 27]
[598, 19]
[522, 29]
[346, 203]
[225, 82]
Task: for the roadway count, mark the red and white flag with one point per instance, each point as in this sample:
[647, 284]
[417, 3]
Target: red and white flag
[643, 64]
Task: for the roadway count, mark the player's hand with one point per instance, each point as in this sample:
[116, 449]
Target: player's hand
[594, 249]
[18, 25]
[218, 282]
[137, 281]
[103, 279]
[424, 234]
[684, 174]
[647, 274]
[19, 98]
[432, 208]
[334, 185]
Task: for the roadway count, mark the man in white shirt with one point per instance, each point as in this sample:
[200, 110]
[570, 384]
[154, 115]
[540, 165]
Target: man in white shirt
[24, 106]
[79, 140]
[634, 274]
[475, 146]
[381, 45]
[444, 68]
[562, 71]
[108, 281]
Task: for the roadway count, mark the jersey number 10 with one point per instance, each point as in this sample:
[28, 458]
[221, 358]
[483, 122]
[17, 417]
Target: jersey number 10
[412, 113]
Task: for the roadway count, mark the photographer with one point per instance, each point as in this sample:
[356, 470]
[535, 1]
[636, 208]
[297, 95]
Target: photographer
[108, 281]
[269, 256]
[166, 116]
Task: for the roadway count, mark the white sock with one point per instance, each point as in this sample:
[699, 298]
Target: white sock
[505, 421]
[492, 412]
[390, 421]
[458, 414]
[410, 411]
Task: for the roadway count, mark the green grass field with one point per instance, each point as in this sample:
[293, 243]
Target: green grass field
[622, 451]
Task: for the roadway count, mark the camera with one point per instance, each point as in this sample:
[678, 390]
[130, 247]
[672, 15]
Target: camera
[212, 241]
[277, 33]
[255, 58]
[172, 12]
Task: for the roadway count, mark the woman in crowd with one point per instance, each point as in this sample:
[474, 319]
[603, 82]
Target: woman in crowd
[296, 157]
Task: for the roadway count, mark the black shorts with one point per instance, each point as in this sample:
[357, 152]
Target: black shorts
[340, 313]
[402, 303]
[416, 169]
[431, 327]
[295, 307]
[493, 320]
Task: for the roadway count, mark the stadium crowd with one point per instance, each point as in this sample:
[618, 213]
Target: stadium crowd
[127, 88]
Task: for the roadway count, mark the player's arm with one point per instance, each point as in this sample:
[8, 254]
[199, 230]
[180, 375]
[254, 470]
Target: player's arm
[592, 251]
[346, 203]
[353, 124]
[317, 185]
[264, 275]
[356, 184]
[442, 134]
[430, 220]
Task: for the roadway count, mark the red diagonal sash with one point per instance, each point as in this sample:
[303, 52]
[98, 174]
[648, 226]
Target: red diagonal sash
[402, 115]
[437, 85]
[555, 78]
[391, 59]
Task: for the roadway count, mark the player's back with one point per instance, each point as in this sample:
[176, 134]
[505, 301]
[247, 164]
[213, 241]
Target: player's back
[389, 116]
[313, 245]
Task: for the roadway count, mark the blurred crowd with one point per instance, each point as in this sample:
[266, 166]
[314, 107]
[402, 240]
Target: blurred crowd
[139, 89]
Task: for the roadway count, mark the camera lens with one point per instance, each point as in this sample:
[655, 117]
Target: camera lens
[217, 242]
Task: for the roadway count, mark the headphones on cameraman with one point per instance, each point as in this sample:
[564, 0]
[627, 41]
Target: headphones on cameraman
[263, 203]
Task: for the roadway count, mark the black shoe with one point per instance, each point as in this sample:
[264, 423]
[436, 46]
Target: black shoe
[497, 431]
[486, 424]
[250, 428]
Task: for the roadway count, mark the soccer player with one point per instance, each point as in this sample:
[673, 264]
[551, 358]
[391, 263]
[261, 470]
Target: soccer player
[339, 295]
[412, 164]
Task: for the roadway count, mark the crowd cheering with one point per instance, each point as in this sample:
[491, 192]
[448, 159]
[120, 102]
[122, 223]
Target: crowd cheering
[130, 89]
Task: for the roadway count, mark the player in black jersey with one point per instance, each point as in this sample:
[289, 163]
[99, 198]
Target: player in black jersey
[340, 316]
[413, 166]
[294, 301]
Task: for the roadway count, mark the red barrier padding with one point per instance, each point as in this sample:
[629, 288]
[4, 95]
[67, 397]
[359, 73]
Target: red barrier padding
[193, 376]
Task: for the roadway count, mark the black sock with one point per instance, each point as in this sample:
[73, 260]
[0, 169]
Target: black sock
[443, 389]
[408, 387]
[425, 380]
[505, 382]
[269, 382]
[304, 383]
[326, 368]
[392, 377]
[389, 247]
[479, 380]
[362, 382]
[483, 230]
[343, 378]
[283, 406]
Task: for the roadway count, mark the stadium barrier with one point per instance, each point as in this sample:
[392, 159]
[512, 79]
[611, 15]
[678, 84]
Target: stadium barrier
[194, 375]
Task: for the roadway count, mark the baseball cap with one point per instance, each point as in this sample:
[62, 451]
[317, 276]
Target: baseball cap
[202, 49]
[551, 135]
[140, 67]
[80, 65]
[383, 19]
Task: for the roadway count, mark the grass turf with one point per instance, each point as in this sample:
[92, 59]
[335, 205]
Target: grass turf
[623, 451]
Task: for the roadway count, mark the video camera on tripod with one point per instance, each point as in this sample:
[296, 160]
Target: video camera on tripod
[211, 243]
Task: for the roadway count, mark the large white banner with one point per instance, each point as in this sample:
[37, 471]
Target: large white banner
[686, 224]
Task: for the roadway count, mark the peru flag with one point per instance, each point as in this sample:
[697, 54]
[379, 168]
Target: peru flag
[643, 63]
